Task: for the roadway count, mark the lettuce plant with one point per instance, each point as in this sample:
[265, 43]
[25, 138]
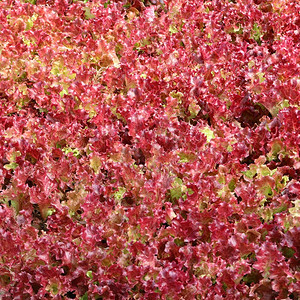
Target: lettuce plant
[149, 149]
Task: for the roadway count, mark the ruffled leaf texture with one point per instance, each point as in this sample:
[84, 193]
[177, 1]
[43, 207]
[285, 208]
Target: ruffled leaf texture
[149, 149]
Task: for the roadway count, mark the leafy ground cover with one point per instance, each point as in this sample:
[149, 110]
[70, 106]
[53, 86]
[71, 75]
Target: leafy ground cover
[149, 149]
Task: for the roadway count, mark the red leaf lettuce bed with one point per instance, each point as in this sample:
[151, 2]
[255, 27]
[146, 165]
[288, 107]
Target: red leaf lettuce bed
[149, 149]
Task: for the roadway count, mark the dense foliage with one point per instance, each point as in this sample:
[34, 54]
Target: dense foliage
[149, 149]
